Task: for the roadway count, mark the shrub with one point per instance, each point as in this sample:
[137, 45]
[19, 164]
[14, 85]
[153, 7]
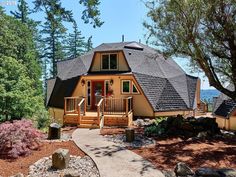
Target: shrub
[18, 138]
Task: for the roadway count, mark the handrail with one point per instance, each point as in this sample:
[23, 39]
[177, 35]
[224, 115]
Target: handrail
[100, 112]
[79, 109]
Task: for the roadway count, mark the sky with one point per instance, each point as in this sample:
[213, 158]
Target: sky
[121, 17]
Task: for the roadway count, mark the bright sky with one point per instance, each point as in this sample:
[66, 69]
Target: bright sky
[121, 17]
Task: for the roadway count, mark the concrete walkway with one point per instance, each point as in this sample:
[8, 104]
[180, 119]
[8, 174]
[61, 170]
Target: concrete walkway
[111, 159]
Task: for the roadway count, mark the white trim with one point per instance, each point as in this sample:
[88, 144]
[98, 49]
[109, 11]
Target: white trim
[109, 65]
[122, 81]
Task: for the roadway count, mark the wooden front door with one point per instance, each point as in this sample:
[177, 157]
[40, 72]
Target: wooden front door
[97, 92]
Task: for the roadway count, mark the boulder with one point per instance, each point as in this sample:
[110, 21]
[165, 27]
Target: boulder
[207, 172]
[60, 159]
[225, 172]
[182, 169]
[202, 134]
[169, 173]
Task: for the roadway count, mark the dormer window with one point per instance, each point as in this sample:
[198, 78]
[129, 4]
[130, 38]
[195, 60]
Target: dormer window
[109, 62]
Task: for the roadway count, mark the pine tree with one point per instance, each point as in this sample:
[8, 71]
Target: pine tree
[89, 44]
[53, 30]
[75, 43]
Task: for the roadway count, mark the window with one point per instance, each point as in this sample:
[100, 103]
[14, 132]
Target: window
[126, 86]
[135, 90]
[109, 62]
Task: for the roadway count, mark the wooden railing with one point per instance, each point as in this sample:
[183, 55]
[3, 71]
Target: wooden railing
[75, 105]
[100, 112]
[129, 105]
[81, 109]
[114, 106]
[70, 105]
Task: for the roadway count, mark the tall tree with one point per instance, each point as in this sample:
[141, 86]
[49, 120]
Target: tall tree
[53, 29]
[19, 71]
[75, 43]
[89, 44]
[23, 11]
[204, 31]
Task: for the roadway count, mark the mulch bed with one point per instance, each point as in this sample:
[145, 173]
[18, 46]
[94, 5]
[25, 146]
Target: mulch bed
[214, 153]
[218, 152]
[8, 168]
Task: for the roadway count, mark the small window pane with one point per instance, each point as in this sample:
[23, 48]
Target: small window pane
[113, 61]
[135, 90]
[126, 86]
[105, 61]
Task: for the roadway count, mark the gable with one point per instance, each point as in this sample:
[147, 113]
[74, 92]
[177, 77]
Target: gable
[97, 63]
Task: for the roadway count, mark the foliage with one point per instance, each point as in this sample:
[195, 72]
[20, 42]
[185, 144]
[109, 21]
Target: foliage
[18, 97]
[155, 128]
[89, 44]
[91, 13]
[204, 31]
[18, 138]
[181, 127]
[75, 43]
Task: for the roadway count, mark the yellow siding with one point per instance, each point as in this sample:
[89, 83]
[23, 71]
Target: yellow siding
[172, 113]
[56, 114]
[232, 123]
[228, 124]
[122, 64]
[141, 104]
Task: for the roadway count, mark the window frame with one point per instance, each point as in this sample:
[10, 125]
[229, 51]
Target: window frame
[134, 85]
[109, 62]
[122, 86]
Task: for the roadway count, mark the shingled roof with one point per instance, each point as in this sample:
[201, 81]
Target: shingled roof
[223, 105]
[166, 86]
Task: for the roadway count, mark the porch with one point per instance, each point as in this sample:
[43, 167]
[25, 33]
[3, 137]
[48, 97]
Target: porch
[107, 112]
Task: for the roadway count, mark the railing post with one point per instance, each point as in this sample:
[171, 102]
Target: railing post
[85, 104]
[79, 116]
[126, 107]
[65, 105]
[98, 110]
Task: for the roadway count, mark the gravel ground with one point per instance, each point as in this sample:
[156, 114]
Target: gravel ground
[81, 166]
[140, 140]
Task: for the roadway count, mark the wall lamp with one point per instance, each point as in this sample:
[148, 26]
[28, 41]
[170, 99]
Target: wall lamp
[111, 82]
[82, 82]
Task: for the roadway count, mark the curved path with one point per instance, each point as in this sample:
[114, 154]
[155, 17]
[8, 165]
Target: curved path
[111, 159]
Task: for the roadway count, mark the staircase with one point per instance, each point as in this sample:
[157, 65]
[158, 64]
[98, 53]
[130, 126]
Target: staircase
[88, 122]
[85, 121]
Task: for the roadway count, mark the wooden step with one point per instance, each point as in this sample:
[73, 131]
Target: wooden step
[91, 126]
[89, 117]
[88, 121]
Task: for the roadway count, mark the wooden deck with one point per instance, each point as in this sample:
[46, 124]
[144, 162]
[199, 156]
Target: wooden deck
[97, 119]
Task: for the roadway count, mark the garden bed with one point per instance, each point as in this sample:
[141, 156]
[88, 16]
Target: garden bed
[11, 167]
[216, 152]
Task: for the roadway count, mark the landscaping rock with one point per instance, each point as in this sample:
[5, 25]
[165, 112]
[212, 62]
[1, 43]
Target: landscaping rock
[202, 134]
[60, 159]
[227, 172]
[169, 173]
[182, 169]
[207, 172]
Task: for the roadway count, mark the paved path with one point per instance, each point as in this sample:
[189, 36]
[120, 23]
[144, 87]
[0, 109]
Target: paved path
[111, 159]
